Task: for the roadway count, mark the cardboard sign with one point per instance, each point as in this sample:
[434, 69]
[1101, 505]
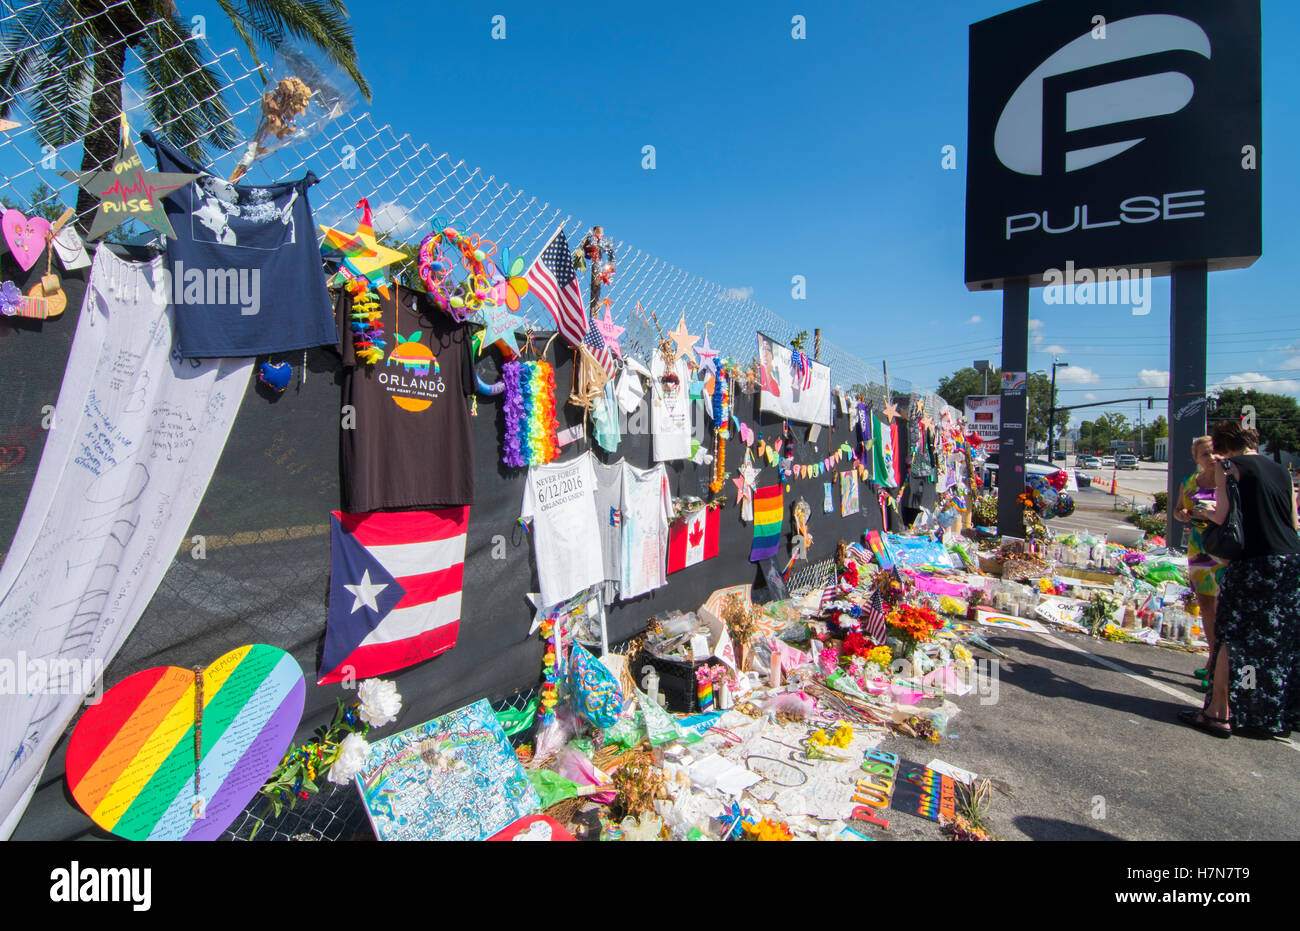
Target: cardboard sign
[925, 793]
[131, 759]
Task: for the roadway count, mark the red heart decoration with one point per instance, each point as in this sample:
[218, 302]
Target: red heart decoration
[25, 236]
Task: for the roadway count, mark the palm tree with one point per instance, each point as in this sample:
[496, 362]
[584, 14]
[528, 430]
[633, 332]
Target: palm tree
[67, 58]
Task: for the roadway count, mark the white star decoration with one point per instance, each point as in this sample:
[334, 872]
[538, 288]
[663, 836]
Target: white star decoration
[366, 593]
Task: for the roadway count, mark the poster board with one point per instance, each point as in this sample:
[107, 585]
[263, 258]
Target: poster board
[453, 778]
[783, 395]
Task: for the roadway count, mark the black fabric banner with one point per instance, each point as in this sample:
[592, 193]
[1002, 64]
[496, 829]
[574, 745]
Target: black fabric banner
[255, 565]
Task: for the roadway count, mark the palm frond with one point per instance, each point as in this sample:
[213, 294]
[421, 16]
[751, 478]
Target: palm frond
[183, 95]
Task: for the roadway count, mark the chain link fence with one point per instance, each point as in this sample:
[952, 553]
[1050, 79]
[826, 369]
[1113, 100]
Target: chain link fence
[406, 183]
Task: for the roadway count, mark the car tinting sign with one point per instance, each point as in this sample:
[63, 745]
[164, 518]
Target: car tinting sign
[1127, 143]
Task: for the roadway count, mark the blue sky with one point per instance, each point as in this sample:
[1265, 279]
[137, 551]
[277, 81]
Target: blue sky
[818, 157]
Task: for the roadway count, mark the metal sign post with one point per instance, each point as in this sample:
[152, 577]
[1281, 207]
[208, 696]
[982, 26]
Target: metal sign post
[1015, 407]
[1187, 402]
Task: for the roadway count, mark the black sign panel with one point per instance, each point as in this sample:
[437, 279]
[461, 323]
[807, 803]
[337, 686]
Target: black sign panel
[1128, 143]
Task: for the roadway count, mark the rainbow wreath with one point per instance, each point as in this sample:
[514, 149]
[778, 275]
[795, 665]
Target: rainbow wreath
[529, 414]
[464, 298]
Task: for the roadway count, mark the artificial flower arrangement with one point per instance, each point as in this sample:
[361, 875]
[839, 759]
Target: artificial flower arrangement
[338, 750]
[912, 623]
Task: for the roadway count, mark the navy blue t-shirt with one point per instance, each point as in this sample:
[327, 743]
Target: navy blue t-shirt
[246, 275]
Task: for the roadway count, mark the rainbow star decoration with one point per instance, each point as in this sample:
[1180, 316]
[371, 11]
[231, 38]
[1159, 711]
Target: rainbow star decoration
[361, 255]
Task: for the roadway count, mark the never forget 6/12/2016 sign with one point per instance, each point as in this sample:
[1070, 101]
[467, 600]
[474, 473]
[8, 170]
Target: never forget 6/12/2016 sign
[1129, 142]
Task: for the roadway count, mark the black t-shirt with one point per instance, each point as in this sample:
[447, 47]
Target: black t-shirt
[408, 443]
[1266, 507]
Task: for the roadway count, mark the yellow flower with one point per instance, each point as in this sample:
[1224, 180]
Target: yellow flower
[882, 656]
[818, 738]
[962, 655]
[950, 605]
[769, 830]
[843, 735]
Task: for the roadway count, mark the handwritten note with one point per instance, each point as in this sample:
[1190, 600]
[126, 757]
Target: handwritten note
[136, 438]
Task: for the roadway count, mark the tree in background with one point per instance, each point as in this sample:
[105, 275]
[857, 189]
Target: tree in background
[67, 59]
[1277, 417]
[955, 387]
[44, 201]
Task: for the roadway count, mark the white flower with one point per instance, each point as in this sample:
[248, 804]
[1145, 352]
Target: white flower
[351, 759]
[379, 700]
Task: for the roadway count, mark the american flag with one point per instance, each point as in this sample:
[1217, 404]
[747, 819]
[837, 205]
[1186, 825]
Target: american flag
[552, 278]
[800, 370]
[596, 343]
[873, 619]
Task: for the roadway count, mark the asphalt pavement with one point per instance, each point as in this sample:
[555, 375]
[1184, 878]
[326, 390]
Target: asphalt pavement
[1082, 740]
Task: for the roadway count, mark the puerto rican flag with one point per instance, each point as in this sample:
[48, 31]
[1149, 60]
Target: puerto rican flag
[694, 539]
[395, 590]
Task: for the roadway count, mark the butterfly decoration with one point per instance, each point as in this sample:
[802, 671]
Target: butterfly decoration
[510, 286]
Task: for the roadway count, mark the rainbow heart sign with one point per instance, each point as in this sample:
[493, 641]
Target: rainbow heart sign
[131, 758]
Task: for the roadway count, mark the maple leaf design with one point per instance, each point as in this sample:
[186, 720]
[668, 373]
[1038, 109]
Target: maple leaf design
[697, 534]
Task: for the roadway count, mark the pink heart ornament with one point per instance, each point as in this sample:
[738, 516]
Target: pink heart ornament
[25, 236]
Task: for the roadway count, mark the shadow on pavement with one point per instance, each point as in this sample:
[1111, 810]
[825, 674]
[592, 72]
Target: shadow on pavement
[1036, 828]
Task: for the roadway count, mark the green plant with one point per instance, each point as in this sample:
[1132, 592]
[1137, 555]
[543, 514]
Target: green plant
[1161, 501]
[1098, 613]
[1151, 523]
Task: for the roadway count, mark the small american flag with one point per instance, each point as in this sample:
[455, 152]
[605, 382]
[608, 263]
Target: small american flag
[801, 370]
[873, 619]
[553, 279]
[596, 343]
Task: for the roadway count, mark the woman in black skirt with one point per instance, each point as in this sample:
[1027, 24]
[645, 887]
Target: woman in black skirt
[1255, 674]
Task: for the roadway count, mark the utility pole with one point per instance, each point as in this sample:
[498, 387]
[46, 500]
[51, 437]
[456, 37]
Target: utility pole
[1141, 439]
[1051, 414]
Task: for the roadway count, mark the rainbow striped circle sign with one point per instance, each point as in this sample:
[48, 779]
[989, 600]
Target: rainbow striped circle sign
[130, 760]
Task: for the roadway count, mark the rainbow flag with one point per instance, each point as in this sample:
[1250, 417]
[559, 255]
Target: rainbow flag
[769, 514]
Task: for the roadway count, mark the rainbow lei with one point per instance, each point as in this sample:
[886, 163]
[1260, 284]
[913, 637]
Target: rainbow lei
[722, 419]
[367, 327]
[529, 414]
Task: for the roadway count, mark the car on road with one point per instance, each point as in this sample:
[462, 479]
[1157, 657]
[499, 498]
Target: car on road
[1126, 462]
[1107, 462]
[1032, 467]
[1088, 462]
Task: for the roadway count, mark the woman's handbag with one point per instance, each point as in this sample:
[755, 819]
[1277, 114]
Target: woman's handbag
[1227, 540]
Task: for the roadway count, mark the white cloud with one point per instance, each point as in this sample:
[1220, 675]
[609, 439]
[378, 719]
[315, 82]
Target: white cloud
[1153, 378]
[976, 319]
[1260, 382]
[740, 294]
[1035, 333]
[395, 220]
[1077, 375]
[1055, 349]
[1291, 363]
[1090, 396]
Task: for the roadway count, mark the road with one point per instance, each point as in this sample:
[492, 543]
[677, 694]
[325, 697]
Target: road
[1082, 738]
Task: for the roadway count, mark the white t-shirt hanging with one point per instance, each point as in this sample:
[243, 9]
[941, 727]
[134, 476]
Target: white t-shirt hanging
[647, 510]
[609, 514]
[560, 500]
[670, 412]
[631, 392]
